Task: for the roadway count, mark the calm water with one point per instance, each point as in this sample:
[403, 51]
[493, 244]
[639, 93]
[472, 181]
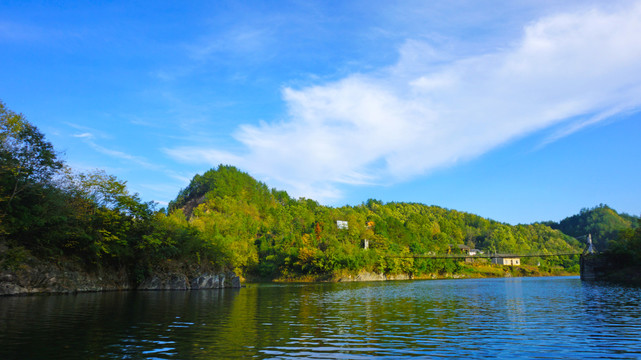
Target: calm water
[504, 318]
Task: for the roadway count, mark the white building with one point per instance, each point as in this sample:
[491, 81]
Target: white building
[507, 260]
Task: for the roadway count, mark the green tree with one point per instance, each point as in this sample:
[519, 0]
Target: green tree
[26, 158]
[602, 222]
[27, 165]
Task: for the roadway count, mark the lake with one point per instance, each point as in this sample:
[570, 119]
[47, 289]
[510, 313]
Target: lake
[555, 317]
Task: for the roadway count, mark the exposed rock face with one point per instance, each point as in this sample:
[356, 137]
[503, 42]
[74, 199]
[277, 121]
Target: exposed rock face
[51, 278]
[399, 277]
[368, 276]
[208, 281]
[177, 281]
[171, 281]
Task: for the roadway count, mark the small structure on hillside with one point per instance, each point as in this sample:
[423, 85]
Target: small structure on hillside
[365, 244]
[459, 249]
[510, 260]
[343, 225]
[472, 256]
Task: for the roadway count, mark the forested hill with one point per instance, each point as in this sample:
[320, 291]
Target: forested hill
[616, 236]
[224, 220]
[267, 232]
[602, 222]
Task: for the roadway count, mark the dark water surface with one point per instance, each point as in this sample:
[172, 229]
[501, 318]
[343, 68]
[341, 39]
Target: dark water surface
[499, 318]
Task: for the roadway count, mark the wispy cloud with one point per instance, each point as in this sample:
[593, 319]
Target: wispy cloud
[422, 114]
[89, 137]
[138, 160]
[85, 135]
[239, 40]
[581, 123]
[88, 132]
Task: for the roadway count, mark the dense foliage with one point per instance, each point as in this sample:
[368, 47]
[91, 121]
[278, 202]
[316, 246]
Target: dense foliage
[226, 219]
[52, 212]
[602, 222]
[268, 233]
[626, 250]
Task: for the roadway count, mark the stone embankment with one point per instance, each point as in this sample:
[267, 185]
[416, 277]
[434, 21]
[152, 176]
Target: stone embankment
[178, 281]
[52, 278]
[369, 276]
[610, 268]
[594, 267]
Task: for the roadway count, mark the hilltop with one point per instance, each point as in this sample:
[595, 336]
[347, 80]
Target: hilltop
[602, 222]
[267, 233]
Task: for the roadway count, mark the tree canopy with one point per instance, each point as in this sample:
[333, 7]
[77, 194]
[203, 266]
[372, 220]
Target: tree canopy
[602, 222]
[269, 233]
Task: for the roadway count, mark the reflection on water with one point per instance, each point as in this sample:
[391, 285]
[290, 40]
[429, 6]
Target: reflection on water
[515, 318]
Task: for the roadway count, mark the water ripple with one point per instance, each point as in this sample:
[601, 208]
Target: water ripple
[538, 318]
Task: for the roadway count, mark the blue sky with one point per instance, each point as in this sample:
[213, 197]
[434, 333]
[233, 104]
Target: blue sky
[519, 111]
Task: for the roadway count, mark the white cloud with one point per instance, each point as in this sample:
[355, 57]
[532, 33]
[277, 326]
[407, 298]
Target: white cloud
[89, 139]
[422, 114]
[240, 40]
[138, 160]
[85, 135]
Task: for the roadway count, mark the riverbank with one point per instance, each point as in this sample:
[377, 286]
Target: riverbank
[37, 276]
[475, 271]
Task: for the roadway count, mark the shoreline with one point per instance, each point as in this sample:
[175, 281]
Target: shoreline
[487, 271]
[37, 276]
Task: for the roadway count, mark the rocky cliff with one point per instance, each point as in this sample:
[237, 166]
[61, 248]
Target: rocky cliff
[42, 277]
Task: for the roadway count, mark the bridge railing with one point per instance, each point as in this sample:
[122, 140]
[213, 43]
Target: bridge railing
[480, 256]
